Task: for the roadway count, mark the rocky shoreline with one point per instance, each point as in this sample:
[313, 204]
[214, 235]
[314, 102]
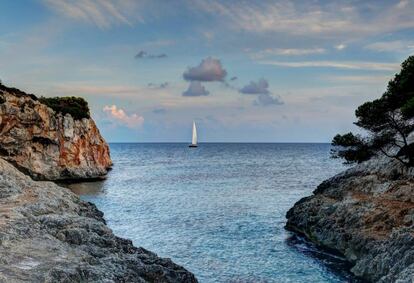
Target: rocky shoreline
[47, 234]
[49, 145]
[366, 214]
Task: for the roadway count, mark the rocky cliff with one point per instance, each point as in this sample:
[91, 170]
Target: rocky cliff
[47, 234]
[49, 145]
[367, 214]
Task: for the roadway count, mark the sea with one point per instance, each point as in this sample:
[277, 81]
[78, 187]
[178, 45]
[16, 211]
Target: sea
[219, 209]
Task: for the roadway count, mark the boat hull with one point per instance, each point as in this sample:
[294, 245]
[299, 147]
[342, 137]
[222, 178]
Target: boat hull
[192, 145]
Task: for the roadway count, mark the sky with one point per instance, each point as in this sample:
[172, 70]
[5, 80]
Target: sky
[245, 71]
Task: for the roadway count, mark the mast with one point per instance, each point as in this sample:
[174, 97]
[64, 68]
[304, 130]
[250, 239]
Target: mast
[194, 140]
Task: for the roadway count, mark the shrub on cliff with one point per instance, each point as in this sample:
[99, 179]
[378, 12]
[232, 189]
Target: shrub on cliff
[16, 91]
[77, 107]
[388, 121]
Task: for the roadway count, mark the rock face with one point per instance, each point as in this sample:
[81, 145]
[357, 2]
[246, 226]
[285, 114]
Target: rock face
[367, 214]
[48, 145]
[47, 234]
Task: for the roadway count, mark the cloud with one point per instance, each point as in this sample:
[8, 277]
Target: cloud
[288, 52]
[118, 114]
[145, 55]
[359, 79]
[161, 85]
[259, 87]
[391, 46]
[208, 35]
[159, 43]
[104, 13]
[195, 89]
[265, 99]
[159, 111]
[209, 70]
[340, 46]
[335, 19]
[317, 19]
[374, 66]
[77, 88]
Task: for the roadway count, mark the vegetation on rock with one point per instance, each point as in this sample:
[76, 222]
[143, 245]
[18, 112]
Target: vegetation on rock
[33, 127]
[75, 106]
[388, 122]
[16, 91]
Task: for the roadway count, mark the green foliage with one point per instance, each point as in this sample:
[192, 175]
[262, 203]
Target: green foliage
[370, 115]
[388, 121]
[408, 108]
[16, 91]
[77, 107]
[348, 139]
[401, 88]
[350, 147]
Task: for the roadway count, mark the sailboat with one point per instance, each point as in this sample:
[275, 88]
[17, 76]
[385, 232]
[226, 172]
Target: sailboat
[194, 139]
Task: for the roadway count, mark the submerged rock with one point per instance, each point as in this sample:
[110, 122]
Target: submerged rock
[367, 214]
[49, 145]
[47, 234]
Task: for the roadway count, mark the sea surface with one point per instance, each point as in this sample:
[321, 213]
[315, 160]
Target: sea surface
[219, 209]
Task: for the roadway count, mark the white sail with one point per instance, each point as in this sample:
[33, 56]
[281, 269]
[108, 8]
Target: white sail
[194, 140]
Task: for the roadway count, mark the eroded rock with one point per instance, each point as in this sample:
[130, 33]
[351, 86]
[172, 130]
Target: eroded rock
[47, 234]
[48, 145]
[366, 213]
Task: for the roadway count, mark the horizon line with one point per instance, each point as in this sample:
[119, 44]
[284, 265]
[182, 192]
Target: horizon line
[215, 142]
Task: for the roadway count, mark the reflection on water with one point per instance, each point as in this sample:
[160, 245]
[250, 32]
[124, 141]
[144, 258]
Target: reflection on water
[219, 210]
[86, 188]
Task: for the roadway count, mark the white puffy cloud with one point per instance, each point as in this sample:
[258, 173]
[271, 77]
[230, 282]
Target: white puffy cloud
[209, 70]
[119, 115]
[340, 46]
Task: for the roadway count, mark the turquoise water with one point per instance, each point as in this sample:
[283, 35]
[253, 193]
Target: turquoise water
[219, 210]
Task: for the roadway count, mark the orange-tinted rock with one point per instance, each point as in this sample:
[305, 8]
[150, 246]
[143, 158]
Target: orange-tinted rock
[48, 145]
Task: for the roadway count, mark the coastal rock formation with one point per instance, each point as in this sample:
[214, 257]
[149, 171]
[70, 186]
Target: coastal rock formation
[367, 214]
[47, 234]
[49, 145]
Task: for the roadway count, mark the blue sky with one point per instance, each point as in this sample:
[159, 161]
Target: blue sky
[249, 71]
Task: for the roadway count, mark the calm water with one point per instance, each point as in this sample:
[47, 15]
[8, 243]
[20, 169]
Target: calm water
[219, 210]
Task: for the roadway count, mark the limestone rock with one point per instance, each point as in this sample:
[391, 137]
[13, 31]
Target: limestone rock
[48, 145]
[47, 234]
[367, 214]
